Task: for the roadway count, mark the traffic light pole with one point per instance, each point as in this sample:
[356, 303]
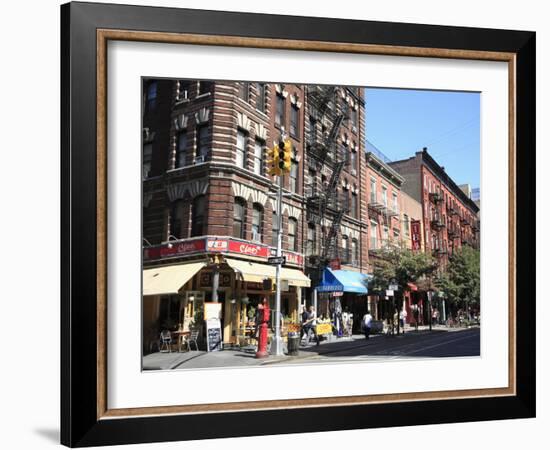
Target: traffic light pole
[277, 343]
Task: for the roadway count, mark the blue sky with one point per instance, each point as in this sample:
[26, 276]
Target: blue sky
[400, 122]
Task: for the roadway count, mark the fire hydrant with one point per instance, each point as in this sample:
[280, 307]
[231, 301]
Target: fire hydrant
[262, 329]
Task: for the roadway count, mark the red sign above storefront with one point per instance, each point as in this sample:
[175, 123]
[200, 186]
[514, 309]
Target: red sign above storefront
[416, 235]
[172, 249]
[218, 245]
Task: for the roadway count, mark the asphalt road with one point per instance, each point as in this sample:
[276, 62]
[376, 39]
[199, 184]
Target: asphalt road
[438, 343]
[435, 344]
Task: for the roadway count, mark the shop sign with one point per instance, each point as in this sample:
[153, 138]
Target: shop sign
[206, 279]
[218, 245]
[337, 294]
[323, 328]
[294, 259]
[174, 249]
[246, 248]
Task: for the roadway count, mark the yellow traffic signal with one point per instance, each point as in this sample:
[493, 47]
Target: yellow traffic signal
[273, 161]
[287, 156]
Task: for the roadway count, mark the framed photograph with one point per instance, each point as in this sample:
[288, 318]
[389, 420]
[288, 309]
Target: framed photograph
[279, 224]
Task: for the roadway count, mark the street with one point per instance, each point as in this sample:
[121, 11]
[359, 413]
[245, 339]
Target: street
[441, 342]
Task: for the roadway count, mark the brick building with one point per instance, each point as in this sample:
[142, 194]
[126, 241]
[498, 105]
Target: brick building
[209, 220]
[449, 215]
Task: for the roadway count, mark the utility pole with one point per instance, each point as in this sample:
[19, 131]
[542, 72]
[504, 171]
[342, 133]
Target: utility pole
[279, 164]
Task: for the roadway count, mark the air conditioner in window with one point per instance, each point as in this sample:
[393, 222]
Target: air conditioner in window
[257, 237]
[200, 159]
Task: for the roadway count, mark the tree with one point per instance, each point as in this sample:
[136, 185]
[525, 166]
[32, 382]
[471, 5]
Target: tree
[461, 281]
[402, 265]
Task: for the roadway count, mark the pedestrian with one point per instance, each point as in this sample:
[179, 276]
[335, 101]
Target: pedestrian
[403, 319]
[308, 324]
[434, 316]
[367, 324]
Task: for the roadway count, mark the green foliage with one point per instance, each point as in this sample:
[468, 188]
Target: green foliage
[402, 265]
[460, 282]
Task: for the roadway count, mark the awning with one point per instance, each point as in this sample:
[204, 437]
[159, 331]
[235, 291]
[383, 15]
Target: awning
[343, 281]
[169, 279]
[256, 273]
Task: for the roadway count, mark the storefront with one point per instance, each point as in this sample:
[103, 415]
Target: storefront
[343, 291]
[180, 296]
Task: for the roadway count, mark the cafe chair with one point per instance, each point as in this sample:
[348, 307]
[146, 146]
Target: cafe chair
[193, 336]
[165, 341]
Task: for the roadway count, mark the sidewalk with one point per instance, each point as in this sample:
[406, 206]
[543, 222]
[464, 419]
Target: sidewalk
[246, 356]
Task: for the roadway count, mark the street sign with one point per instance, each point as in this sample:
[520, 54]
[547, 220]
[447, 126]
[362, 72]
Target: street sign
[276, 260]
[393, 287]
[389, 293]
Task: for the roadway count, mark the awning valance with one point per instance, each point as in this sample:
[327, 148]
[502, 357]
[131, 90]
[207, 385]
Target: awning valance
[256, 273]
[169, 279]
[343, 281]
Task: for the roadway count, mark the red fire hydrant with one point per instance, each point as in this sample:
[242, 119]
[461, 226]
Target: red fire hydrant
[262, 329]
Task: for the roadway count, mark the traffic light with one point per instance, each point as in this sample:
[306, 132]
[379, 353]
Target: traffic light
[284, 155]
[273, 161]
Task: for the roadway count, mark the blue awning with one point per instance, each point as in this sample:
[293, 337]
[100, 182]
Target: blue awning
[343, 281]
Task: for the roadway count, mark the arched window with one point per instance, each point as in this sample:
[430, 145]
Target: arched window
[292, 229]
[198, 213]
[257, 219]
[239, 209]
[176, 219]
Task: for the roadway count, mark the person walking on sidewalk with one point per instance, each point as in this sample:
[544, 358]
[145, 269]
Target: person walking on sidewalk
[308, 324]
[367, 324]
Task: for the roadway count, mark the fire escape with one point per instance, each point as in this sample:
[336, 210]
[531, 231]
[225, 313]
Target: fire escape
[325, 205]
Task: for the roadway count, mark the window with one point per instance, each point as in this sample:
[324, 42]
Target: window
[202, 144]
[280, 110]
[147, 159]
[294, 121]
[260, 97]
[152, 89]
[292, 227]
[311, 182]
[345, 250]
[373, 235]
[205, 87]
[385, 235]
[354, 117]
[354, 205]
[406, 224]
[241, 149]
[258, 157]
[385, 196]
[310, 242]
[181, 149]
[395, 205]
[312, 130]
[257, 218]
[396, 235]
[274, 228]
[373, 190]
[176, 219]
[197, 211]
[182, 90]
[244, 91]
[353, 162]
[294, 176]
[239, 208]
[354, 252]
